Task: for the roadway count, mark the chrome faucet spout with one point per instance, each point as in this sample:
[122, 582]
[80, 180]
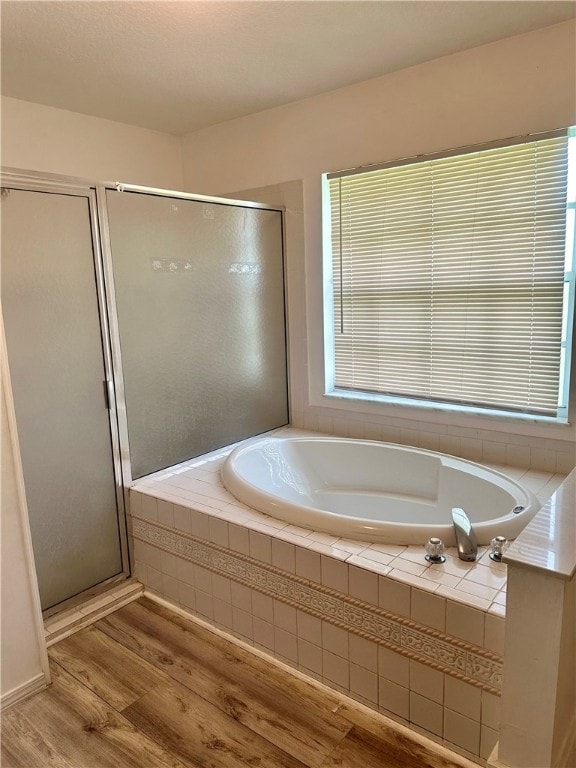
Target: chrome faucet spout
[465, 536]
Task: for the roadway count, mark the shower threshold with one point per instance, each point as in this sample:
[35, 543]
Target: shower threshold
[89, 609]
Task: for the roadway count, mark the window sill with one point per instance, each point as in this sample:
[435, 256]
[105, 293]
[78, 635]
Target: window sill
[458, 415]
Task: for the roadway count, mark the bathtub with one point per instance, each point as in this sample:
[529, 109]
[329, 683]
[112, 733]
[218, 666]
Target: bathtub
[375, 491]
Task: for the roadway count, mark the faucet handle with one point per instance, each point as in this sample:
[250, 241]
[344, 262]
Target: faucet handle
[498, 546]
[435, 551]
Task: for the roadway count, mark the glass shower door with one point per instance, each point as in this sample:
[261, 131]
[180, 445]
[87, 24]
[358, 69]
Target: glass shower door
[200, 300]
[53, 333]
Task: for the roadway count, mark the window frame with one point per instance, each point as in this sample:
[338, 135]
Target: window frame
[370, 401]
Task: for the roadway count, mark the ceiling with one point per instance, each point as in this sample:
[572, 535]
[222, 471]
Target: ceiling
[180, 66]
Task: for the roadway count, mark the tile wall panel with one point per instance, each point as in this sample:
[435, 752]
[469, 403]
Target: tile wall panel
[483, 445]
[396, 657]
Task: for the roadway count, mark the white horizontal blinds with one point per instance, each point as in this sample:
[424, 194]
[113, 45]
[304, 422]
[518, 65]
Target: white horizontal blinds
[448, 277]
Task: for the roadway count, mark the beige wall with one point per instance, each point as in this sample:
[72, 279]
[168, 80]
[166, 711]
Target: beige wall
[23, 650]
[39, 138]
[519, 85]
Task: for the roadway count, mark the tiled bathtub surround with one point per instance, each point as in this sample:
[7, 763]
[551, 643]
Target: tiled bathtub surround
[196, 485]
[475, 444]
[420, 642]
[445, 681]
[477, 666]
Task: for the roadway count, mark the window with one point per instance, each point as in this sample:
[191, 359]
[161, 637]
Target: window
[453, 278]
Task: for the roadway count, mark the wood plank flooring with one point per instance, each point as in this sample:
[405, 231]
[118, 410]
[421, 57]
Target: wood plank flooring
[146, 688]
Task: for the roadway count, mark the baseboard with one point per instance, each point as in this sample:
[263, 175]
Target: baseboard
[34, 685]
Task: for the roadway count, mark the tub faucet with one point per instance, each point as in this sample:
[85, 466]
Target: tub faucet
[465, 536]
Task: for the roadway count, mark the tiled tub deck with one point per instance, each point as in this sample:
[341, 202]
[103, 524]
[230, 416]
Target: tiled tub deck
[422, 643]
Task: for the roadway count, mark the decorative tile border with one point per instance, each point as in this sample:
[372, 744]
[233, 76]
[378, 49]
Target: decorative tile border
[466, 662]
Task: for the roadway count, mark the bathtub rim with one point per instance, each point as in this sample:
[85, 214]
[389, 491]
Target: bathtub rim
[363, 529]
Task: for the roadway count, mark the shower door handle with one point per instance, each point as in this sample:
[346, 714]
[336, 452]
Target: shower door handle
[107, 384]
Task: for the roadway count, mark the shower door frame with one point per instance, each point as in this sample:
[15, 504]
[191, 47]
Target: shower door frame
[32, 181]
[95, 192]
[111, 295]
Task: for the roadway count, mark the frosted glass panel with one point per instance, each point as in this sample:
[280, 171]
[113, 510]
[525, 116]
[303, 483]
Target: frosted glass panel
[200, 301]
[50, 309]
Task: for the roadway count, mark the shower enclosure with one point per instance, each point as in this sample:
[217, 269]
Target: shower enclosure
[200, 308]
[143, 328]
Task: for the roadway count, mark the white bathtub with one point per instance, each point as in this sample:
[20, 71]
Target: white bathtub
[375, 491]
